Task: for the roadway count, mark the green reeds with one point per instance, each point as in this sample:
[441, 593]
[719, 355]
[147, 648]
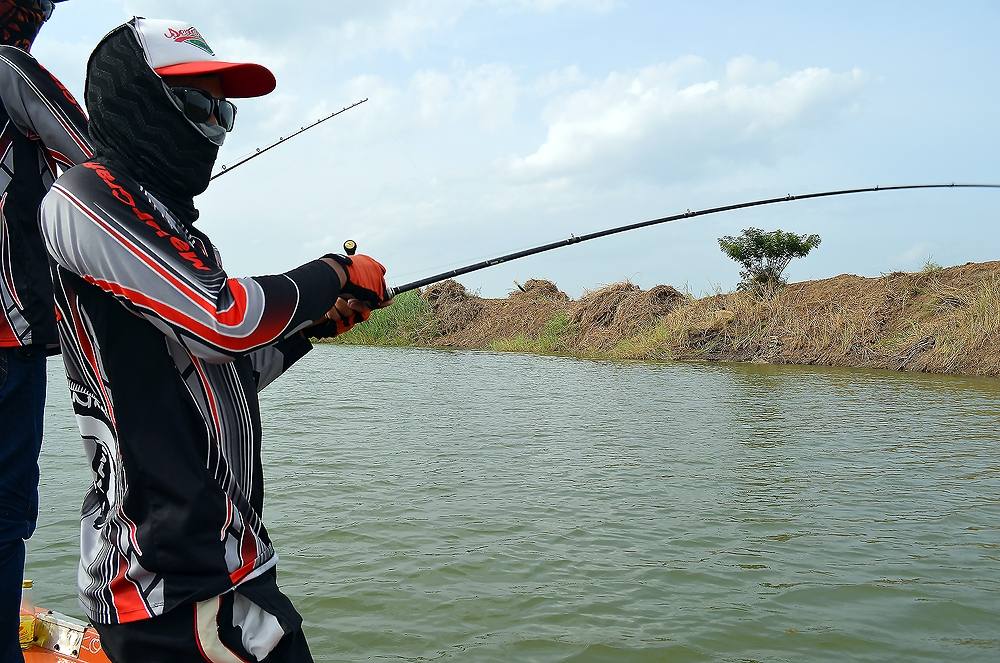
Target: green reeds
[407, 322]
[553, 338]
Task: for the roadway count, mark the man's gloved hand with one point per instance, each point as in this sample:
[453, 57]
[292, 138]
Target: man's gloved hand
[341, 318]
[365, 278]
[363, 290]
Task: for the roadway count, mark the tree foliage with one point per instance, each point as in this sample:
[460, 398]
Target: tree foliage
[765, 255]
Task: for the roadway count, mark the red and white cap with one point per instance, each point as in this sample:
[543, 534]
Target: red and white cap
[176, 48]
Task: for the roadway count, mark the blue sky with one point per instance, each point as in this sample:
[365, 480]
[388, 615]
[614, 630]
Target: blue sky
[494, 126]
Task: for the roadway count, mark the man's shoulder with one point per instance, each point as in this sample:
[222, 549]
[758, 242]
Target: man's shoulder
[92, 184]
[93, 177]
[21, 61]
[15, 54]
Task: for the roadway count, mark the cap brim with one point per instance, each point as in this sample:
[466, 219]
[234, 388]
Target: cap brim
[239, 79]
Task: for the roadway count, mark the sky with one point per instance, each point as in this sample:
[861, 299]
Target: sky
[495, 125]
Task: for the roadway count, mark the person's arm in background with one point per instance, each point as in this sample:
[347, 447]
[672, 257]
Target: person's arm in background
[42, 108]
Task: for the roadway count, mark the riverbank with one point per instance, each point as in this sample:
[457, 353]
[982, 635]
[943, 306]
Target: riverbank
[941, 320]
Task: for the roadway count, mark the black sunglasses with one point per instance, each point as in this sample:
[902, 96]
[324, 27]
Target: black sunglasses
[199, 105]
[46, 7]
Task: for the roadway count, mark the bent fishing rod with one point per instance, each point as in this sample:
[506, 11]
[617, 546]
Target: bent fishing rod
[284, 139]
[351, 247]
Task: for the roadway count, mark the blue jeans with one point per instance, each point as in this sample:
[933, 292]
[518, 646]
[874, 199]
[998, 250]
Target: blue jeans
[22, 401]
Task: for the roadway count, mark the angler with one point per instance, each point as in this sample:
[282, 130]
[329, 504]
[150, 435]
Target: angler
[165, 354]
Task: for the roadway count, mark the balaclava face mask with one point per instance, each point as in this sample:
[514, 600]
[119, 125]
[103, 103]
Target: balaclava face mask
[135, 126]
[21, 20]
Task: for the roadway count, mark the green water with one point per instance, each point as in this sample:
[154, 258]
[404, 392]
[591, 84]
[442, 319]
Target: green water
[485, 507]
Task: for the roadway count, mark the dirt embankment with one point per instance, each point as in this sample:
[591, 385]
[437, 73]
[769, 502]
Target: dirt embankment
[941, 320]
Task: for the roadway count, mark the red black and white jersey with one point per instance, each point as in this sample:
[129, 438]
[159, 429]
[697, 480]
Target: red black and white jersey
[43, 130]
[165, 354]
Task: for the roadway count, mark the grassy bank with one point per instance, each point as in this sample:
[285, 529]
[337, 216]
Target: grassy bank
[409, 321]
[938, 320]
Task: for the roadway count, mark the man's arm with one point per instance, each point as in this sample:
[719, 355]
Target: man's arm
[270, 362]
[42, 108]
[113, 238]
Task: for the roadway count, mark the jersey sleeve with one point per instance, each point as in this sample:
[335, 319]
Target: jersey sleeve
[42, 108]
[113, 237]
[270, 362]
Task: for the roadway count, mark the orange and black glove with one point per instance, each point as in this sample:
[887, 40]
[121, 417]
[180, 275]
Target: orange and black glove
[365, 278]
[365, 282]
[339, 322]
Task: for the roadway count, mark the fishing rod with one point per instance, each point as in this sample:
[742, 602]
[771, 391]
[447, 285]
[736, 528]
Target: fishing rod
[283, 139]
[351, 247]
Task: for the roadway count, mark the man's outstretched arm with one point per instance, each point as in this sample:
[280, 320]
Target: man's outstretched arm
[112, 237]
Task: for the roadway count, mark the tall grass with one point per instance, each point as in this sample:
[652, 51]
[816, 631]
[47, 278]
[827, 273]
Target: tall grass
[551, 340]
[408, 321]
[967, 332]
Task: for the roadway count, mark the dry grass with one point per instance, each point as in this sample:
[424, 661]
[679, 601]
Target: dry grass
[939, 320]
[945, 321]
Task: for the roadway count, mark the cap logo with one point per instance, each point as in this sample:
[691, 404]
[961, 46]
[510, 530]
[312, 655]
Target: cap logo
[189, 36]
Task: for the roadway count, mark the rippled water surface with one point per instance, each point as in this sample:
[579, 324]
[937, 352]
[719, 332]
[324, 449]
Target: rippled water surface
[484, 507]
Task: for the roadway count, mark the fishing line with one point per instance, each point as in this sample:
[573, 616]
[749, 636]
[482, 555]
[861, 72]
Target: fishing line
[284, 139]
[350, 247]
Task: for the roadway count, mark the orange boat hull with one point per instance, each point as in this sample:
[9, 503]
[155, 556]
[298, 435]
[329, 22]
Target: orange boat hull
[57, 638]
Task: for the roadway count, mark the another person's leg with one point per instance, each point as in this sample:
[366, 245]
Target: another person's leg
[11, 573]
[22, 400]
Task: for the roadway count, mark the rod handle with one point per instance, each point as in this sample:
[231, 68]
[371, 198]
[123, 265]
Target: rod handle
[350, 248]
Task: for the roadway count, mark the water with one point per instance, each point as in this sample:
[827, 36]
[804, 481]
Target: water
[484, 507]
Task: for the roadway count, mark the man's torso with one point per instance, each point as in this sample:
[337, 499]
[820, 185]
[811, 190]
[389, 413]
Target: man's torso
[174, 514]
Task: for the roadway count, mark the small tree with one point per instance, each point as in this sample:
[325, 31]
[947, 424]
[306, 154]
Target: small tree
[764, 256]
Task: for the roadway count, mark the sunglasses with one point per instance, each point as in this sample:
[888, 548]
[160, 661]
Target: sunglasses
[43, 7]
[199, 106]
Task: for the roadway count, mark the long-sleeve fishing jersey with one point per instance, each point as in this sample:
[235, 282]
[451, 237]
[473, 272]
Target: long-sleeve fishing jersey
[43, 129]
[165, 355]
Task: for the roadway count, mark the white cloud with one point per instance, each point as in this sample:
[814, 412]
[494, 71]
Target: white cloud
[558, 80]
[424, 169]
[400, 29]
[320, 30]
[342, 31]
[485, 96]
[600, 6]
[432, 91]
[491, 93]
[656, 118]
[748, 70]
